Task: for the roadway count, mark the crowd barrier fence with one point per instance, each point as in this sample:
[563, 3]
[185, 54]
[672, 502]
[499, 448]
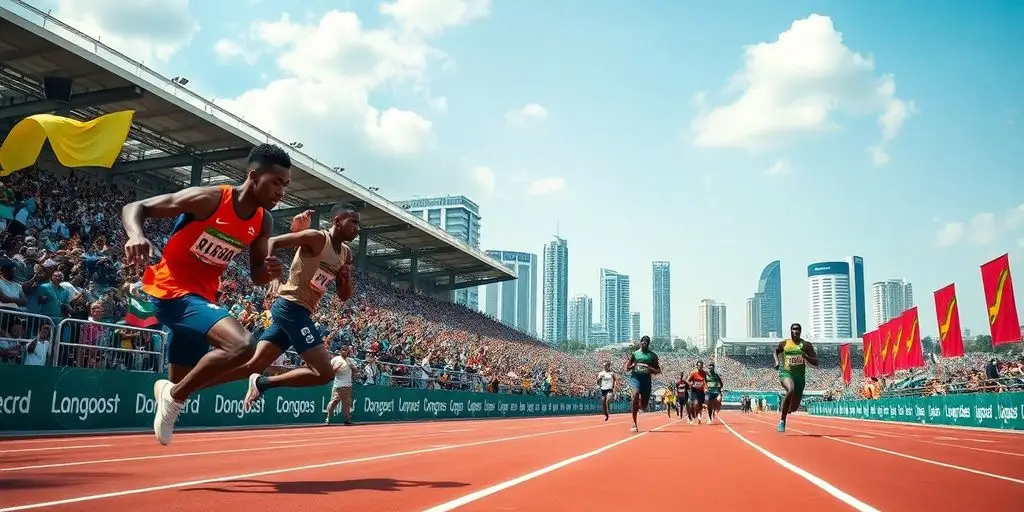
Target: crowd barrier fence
[42, 398]
[991, 410]
[22, 327]
[89, 344]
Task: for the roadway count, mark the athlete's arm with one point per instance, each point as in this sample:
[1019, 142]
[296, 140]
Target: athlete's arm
[307, 238]
[809, 354]
[656, 367]
[343, 281]
[630, 363]
[264, 267]
[200, 202]
[775, 355]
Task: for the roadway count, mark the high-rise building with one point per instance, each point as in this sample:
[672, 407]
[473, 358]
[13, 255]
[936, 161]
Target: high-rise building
[634, 326]
[581, 319]
[890, 298]
[460, 217]
[556, 290]
[661, 280]
[598, 336]
[711, 323]
[615, 305]
[754, 310]
[836, 299]
[514, 302]
[769, 286]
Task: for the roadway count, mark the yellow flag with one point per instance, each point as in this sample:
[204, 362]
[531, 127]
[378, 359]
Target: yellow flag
[93, 143]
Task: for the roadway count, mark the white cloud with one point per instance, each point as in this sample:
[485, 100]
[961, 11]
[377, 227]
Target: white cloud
[982, 229]
[329, 71]
[546, 186]
[146, 30]
[227, 50]
[485, 177]
[780, 167]
[795, 86]
[428, 17]
[526, 112]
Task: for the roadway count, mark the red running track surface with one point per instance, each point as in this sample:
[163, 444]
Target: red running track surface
[563, 463]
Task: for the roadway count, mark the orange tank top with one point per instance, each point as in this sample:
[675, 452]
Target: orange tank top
[199, 251]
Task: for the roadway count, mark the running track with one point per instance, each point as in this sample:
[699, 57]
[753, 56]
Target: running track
[563, 463]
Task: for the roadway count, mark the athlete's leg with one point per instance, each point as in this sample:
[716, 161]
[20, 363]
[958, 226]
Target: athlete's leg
[266, 353]
[605, 397]
[784, 407]
[295, 320]
[232, 347]
[798, 394]
[635, 407]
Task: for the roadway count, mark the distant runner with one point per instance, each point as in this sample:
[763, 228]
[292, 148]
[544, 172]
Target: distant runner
[795, 354]
[716, 387]
[606, 383]
[642, 364]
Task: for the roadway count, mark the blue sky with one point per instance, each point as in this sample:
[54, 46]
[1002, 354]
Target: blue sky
[645, 130]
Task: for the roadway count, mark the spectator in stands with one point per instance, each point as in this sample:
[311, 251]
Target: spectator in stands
[37, 350]
[12, 296]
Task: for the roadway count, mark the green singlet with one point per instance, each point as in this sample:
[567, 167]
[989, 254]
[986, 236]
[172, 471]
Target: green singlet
[793, 365]
[714, 383]
[641, 357]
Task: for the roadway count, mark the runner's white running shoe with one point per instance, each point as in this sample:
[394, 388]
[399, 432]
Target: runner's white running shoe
[252, 394]
[167, 411]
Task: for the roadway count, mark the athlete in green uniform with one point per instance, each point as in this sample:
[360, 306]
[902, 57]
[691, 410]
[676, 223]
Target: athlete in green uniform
[795, 354]
[716, 387]
[641, 366]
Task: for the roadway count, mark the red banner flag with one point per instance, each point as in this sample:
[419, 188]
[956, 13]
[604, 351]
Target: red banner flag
[897, 351]
[999, 300]
[885, 331]
[876, 351]
[870, 369]
[844, 363]
[947, 313]
[913, 351]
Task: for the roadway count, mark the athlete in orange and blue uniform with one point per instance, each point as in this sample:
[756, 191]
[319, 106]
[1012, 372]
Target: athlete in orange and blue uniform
[214, 225]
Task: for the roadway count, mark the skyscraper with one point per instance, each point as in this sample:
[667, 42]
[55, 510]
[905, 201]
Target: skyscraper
[556, 290]
[890, 298]
[661, 280]
[634, 326]
[754, 321]
[461, 218]
[615, 305]
[836, 299]
[514, 302]
[581, 319]
[769, 286]
[710, 324]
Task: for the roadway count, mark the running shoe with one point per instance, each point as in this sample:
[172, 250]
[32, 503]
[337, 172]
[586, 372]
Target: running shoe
[167, 411]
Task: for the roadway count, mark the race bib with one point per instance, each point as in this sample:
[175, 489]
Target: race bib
[642, 368]
[712, 384]
[794, 360]
[697, 384]
[216, 248]
[320, 280]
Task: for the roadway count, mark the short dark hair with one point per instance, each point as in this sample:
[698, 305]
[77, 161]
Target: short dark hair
[265, 156]
[343, 209]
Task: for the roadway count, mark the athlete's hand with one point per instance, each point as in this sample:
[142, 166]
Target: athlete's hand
[302, 221]
[272, 266]
[139, 250]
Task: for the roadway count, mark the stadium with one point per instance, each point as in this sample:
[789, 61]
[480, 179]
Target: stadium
[452, 409]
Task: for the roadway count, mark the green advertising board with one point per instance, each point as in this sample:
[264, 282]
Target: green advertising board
[991, 410]
[34, 398]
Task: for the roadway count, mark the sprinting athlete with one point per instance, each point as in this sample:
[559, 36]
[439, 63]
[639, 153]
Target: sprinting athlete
[682, 396]
[697, 381]
[795, 354]
[716, 388]
[214, 225]
[670, 399]
[642, 364]
[322, 257]
[606, 383]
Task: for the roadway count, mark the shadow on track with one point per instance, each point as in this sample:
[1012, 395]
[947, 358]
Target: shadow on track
[323, 487]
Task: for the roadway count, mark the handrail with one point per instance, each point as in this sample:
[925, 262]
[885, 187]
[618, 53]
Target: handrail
[215, 113]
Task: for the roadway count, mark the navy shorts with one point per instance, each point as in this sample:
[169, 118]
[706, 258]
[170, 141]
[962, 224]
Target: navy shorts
[642, 383]
[697, 396]
[189, 319]
[292, 326]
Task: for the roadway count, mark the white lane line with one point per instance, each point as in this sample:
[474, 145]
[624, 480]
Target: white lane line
[193, 483]
[494, 489]
[906, 425]
[56, 448]
[918, 459]
[821, 484]
[914, 438]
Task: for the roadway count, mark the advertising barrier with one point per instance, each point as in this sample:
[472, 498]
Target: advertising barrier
[34, 398]
[991, 410]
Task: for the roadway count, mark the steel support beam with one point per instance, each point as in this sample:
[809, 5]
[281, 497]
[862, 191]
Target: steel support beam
[475, 282]
[380, 230]
[85, 99]
[170, 162]
[442, 273]
[410, 253]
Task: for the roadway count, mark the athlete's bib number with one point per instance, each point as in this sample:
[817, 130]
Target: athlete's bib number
[712, 384]
[216, 248]
[697, 384]
[642, 368]
[794, 360]
[320, 280]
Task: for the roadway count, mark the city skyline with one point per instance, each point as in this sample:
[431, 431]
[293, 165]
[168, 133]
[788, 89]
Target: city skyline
[514, 302]
[876, 116]
[556, 290]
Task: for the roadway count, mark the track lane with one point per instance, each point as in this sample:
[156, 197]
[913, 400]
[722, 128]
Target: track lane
[886, 481]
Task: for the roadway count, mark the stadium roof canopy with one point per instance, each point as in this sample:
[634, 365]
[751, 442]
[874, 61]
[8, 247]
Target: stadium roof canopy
[760, 342]
[179, 138]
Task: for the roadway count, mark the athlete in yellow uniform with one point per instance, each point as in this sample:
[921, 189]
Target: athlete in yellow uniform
[670, 400]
